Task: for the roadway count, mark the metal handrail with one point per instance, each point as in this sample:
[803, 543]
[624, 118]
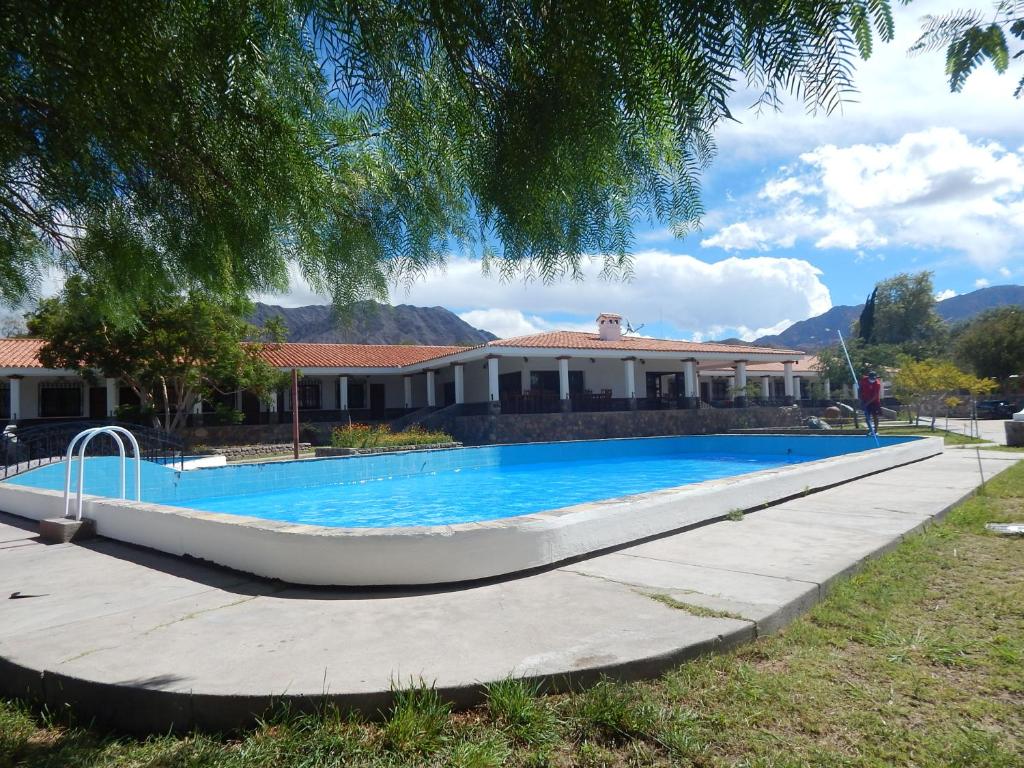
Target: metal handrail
[85, 436]
[25, 448]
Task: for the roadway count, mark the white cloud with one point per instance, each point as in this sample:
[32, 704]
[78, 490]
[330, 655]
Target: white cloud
[933, 189]
[1004, 272]
[506, 323]
[981, 282]
[743, 237]
[949, 293]
[738, 237]
[896, 93]
[675, 290]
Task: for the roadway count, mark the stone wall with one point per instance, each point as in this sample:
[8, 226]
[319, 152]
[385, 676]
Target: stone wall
[531, 428]
[256, 451]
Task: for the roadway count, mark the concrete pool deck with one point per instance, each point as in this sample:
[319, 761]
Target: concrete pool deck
[146, 642]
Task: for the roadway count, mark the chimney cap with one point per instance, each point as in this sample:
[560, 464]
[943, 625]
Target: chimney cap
[610, 316]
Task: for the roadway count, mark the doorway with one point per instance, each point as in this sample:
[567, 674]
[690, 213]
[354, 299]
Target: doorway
[378, 402]
[98, 403]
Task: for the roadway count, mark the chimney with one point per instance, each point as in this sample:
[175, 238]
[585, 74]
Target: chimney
[609, 326]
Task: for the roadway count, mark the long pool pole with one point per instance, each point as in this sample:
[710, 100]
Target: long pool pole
[856, 386]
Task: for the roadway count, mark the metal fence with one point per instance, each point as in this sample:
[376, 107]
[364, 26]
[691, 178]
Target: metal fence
[25, 448]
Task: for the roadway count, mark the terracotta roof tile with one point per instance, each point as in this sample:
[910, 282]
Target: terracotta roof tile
[24, 353]
[20, 353]
[295, 355]
[579, 340]
[808, 364]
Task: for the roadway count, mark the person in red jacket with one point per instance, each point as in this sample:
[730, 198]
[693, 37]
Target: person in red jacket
[871, 399]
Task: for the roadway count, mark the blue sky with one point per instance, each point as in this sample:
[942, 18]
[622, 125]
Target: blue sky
[804, 212]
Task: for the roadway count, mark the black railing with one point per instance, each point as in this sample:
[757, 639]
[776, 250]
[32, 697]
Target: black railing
[25, 448]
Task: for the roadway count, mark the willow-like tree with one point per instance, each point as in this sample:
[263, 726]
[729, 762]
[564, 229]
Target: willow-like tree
[974, 36]
[160, 146]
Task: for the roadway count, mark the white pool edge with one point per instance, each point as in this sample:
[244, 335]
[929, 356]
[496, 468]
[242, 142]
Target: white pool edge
[320, 555]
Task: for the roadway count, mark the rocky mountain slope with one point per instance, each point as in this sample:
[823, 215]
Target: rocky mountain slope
[371, 323]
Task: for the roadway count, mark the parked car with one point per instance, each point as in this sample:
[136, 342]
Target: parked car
[996, 409]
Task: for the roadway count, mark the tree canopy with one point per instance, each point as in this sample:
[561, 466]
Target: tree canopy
[904, 310]
[930, 383]
[161, 147]
[189, 348]
[992, 344]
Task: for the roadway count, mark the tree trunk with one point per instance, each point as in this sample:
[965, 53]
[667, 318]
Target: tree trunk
[183, 408]
[167, 405]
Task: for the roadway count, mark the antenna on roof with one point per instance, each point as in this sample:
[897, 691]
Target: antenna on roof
[631, 329]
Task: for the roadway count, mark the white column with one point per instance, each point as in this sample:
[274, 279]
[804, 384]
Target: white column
[492, 380]
[407, 387]
[460, 388]
[630, 369]
[83, 407]
[431, 390]
[787, 377]
[741, 375]
[343, 393]
[15, 398]
[827, 388]
[111, 396]
[563, 378]
[690, 378]
[272, 402]
[796, 387]
[524, 379]
[766, 387]
[238, 400]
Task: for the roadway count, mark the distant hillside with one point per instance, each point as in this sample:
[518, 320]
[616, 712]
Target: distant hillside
[959, 308]
[373, 323]
[820, 331]
[815, 332]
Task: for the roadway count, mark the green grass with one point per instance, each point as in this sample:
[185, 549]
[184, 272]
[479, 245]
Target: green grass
[691, 608]
[916, 661]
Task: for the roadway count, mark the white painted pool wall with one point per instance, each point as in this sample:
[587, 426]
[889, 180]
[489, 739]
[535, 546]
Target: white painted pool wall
[305, 554]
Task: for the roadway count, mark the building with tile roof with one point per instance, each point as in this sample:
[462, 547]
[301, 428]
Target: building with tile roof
[544, 372]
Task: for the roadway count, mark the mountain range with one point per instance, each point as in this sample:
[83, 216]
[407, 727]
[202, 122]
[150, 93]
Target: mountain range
[368, 322]
[817, 332]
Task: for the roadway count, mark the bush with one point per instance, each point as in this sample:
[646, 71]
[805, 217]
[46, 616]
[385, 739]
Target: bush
[381, 436]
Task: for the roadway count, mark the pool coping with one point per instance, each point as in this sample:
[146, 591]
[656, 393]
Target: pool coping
[306, 554]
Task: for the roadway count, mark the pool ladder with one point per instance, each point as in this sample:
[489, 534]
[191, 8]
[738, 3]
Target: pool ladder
[84, 437]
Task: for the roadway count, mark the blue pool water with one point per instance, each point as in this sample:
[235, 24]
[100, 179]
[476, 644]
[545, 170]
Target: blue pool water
[454, 486]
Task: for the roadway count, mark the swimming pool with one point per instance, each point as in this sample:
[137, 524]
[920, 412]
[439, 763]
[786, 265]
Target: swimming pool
[396, 518]
[447, 487]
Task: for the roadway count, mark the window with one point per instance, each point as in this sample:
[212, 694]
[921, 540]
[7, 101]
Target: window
[309, 395]
[509, 384]
[547, 381]
[56, 400]
[356, 395]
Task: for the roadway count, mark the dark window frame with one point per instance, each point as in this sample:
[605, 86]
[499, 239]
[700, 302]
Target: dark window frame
[310, 395]
[53, 406]
[356, 395]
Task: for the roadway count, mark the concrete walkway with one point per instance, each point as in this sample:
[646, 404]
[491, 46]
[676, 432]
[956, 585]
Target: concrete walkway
[145, 641]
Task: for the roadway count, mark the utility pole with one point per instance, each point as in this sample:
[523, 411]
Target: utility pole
[295, 411]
